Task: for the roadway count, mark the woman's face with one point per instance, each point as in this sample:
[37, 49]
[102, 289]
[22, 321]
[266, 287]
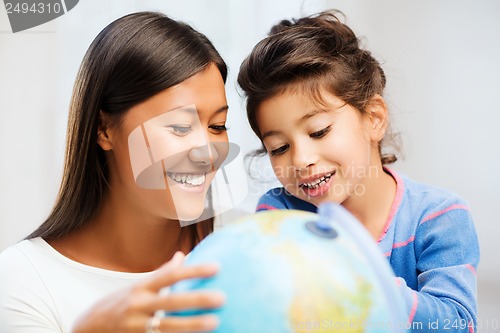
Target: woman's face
[166, 150]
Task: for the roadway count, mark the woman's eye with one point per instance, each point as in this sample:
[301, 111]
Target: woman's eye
[180, 130]
[280, 150]
[322, 133]
[218, 129]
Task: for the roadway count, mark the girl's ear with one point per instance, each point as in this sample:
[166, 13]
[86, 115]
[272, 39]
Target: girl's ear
[103, 136]
[378, 117]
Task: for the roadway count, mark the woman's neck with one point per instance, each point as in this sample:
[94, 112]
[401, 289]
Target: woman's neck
[121, 238]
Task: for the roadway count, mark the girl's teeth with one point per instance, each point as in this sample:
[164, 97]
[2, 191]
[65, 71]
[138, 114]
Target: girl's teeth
[317, 182]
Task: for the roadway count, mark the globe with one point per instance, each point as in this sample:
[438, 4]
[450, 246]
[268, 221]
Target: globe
[287, 271]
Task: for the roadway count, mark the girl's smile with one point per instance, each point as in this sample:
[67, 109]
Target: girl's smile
[318, 151]
[318, 185]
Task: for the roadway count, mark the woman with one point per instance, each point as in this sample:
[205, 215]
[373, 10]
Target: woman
[148, 99]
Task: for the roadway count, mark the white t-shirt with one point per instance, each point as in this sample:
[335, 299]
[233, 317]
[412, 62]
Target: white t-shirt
[42, 291]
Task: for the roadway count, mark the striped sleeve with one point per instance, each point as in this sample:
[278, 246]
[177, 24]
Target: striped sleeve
[269, 201]
[447, 254]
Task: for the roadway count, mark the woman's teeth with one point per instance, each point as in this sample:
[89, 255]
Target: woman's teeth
[189, 179]
[318, 182]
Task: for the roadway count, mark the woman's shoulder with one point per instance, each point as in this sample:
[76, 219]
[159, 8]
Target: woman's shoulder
[21, 265]
[39, 256]
[21, 255]
[37, 283]
[20, 274]
[24, 297]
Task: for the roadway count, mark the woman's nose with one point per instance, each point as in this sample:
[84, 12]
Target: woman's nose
[204, 155]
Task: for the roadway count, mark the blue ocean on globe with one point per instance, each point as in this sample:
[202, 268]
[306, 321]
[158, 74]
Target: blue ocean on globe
[289, 271]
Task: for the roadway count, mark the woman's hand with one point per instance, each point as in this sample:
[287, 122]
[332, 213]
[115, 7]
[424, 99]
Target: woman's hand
[130, 310]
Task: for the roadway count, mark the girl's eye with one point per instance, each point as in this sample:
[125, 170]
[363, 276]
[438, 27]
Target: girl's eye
[218, 129]
[180, 130]
[321, 133]
[280, 150]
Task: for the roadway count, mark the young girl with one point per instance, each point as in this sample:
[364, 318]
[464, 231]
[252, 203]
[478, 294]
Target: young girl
[314, 98]
[148, 97]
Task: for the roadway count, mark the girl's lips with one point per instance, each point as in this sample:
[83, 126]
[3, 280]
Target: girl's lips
[312, 182]
[319, 189]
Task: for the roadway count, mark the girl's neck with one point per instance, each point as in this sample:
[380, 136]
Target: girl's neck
[373, 207]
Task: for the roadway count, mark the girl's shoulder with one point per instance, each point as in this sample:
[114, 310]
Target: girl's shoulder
[280, 198]
[422, 201]
[429, 193]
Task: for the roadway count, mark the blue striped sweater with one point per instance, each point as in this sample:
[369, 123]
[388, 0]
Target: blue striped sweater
[432, 246]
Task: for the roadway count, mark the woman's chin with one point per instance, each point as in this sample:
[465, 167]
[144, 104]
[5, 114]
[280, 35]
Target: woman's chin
[191, 213]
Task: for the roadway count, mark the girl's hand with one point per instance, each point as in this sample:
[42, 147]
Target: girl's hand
[129, 310]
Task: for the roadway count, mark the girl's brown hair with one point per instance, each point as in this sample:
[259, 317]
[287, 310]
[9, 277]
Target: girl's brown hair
[318, 52]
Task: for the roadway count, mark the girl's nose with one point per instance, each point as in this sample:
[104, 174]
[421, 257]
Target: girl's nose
[303, 157]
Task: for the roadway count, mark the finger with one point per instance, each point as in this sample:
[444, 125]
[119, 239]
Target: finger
[175, 302]
[203, 323]
[169, 275]
[176, 261]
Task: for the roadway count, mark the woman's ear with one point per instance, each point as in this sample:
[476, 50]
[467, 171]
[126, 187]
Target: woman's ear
[103, 137]
[378, 117]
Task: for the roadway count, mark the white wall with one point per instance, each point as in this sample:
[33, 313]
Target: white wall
[442, 64]
[441, 59]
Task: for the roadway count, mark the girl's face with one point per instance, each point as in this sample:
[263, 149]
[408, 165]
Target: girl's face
[319, 152]
[164, 153]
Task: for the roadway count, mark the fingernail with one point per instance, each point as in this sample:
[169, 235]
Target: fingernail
[210, 321]
[211, 268]
[178, 256]
[219, 299]
[214, 266]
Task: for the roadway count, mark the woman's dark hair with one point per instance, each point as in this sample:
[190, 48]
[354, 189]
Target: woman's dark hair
[318, 52]
[131, 60]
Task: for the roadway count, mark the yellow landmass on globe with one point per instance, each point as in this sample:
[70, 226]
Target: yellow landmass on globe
[312, 308]
[270, 222]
